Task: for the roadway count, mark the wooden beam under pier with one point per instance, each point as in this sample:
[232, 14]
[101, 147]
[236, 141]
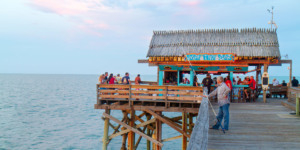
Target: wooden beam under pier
[137, 126]
[106, 128]
[132, 129]
[167, 122]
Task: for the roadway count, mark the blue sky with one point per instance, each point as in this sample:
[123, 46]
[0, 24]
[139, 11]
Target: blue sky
[94, 36]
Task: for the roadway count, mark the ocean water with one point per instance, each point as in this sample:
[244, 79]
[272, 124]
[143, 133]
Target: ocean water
[57, 112]
[54, 112]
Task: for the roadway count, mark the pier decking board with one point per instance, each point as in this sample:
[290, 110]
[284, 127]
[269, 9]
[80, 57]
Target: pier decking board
[257, 126]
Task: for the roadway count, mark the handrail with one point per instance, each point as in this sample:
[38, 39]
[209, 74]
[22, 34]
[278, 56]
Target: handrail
[154, 93]
[296, 92]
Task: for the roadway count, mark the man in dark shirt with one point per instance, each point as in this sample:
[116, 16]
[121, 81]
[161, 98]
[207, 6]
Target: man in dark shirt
[207, 82]
[283, 83]
[126, 79]
[295, 82]
[106, 77]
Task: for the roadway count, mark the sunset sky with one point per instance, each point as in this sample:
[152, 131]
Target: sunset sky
[95, 36]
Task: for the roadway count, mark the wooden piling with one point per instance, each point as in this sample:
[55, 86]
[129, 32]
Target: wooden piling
[158, 131]
[148, 132]
[184, 126]
[105, 133]
[131, 134]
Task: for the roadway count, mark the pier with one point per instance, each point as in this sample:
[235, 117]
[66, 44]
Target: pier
[179, 57]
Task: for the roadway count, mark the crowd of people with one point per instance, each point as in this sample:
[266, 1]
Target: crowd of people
[208, 82]
[111, 79]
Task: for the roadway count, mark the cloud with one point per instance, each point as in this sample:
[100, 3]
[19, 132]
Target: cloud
[98, 16]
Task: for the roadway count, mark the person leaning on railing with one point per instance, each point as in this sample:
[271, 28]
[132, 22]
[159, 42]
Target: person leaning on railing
[295, 82]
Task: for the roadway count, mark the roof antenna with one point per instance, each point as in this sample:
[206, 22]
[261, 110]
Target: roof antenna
[272, 22]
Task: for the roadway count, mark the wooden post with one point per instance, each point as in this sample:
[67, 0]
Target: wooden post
[289, 92]
[148, 132]
[124, 137]
[291, 69]
[157, 74]
[166, 97]
[265, 91]
[158, 131]
[131, 134]
[129, 99]
[257, 72]
[106, 128]
[190, 121]
[297, 104]
[184, 125]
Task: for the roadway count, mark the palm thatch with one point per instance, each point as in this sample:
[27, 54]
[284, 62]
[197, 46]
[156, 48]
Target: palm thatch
[243, 42]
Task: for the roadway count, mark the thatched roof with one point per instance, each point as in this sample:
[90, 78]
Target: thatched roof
[243, 42]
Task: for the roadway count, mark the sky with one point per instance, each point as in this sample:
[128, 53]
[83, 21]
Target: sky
[97, 36]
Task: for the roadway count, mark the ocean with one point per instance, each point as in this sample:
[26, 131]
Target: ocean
[57, 112]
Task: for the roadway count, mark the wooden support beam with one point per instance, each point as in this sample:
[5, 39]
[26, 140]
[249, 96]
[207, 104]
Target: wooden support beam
[148, 131]
[166, 122]
[158, 131]
[141, 120]
[131, 134]
[173, 122]
[184, 128]
[190, 121]
[132, 129]
[172, 138]
[124, 138]
[139, 139]
[142, 114]
[106, 128]
[137, 126]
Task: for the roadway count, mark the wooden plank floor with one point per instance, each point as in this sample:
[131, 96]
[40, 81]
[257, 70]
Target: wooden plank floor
[257, 126]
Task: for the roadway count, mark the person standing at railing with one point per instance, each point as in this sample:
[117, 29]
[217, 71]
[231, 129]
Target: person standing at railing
[222, 92]
[126, 79]
[111, 79]
[101, 79]
[119, 79]
[137, 81]
[295, 82]
[106, 77]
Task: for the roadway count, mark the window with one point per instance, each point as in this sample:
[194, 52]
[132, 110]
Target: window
[184, 77]
[170, 77]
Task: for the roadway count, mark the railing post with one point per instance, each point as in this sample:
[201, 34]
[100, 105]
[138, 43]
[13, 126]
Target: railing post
[297, 104]
[166, 97]
[129, 99]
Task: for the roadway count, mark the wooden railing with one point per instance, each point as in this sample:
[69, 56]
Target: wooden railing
[294, 95]
[148, 93]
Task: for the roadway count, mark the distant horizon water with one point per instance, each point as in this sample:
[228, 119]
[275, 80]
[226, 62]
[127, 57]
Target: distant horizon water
[57, 112]
[150, 77]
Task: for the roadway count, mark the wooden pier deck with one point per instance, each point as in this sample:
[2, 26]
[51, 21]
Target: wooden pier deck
[258, 126]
